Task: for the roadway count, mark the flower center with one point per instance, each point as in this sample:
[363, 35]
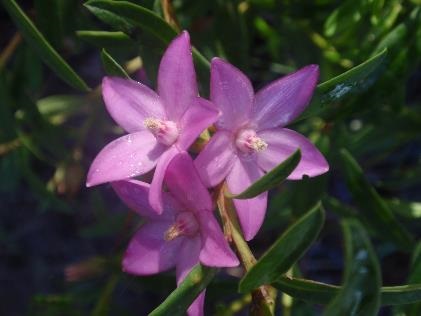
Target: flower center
[185, 225]
[248, 142]
[166, 132]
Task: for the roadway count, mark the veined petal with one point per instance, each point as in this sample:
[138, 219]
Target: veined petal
[148, 251]
[282, 101]
[215, 249]
[195, 120]
[251, 212]
[282, 142]
[185, 185]
[135, 194]
[177, 86]
[130, 103]
[126, 157]
[216, 159]
[232, 92]
[155, 192]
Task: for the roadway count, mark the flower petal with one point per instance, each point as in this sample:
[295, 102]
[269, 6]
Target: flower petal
[130, 103]
[216, 159]
[282, 142]
[282, 101]
[188, 257]
[155, 192]
[135, 194]
[195, 120]
[251, 212]
[148, 252]
[177, 86]
[196, 308]
[215, 249]
[126, 157]
[185, 185]
[232, 92]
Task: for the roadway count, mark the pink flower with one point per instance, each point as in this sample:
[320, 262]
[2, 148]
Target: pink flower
[159, 125]
[186, 232]
[250, 137]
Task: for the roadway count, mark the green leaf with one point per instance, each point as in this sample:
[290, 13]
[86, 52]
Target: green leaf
[117, 13]
[181, 298]
[354, 80]
[322, 293]
[112, 68]
[270, 179]
[374, 210]
[133, 14]
[105, 39]
[290, 247]
[360, 294]
[47, 53]
[61, 104]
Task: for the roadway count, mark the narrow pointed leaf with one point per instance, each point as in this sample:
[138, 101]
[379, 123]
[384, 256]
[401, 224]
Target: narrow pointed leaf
[118, 13]
[270, 179]
[360, 294]
[46, 52]
[354, 80]
[322, 293]
[105, 39]
[374, 210]
[133, 14]
[290, 247]
[181, 298]
[112, 68]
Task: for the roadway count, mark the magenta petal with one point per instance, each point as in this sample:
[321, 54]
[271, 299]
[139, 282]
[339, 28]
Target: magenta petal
[155, 192]
[251, 212]
[282, 101]
[215, 249]
[135, 194]
[195, 120]
[177, 86]
[188, 257]
[185, 185]
[126, 157]
[216, 159]
[130, 103]
[282, 143]
[148, 252]
[196, 308]
[232, 92]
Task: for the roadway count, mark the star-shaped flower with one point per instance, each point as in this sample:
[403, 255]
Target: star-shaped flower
[186, 232]
[159, 125]
[251, 137]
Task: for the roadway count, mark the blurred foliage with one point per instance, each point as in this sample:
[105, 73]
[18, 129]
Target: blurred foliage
[51, 226]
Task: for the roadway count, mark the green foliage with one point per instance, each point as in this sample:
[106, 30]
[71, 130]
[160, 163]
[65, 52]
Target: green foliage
[288, 249]
[270, 179]
[365, 117]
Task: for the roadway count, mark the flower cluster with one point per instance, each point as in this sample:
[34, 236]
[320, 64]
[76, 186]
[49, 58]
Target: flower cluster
[250, 139]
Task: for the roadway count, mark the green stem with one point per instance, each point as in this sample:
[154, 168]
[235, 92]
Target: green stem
[263, 298]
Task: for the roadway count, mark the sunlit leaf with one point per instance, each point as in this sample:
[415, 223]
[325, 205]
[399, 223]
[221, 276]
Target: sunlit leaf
[354, 80]
[290, 247]
[360, 293]
[37, 41]
[181, 298]
[270, 179]
[373, 208]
